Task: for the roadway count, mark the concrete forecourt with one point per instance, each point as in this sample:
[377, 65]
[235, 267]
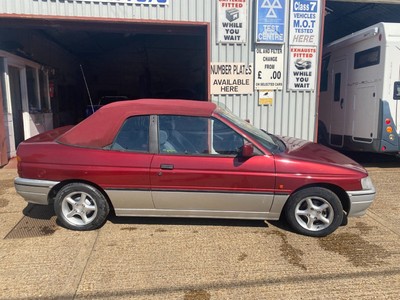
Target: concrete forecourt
[151, 258]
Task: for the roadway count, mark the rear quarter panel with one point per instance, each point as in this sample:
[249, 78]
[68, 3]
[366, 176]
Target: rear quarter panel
[106, 168]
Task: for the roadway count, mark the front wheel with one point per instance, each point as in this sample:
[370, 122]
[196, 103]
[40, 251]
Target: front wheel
[80, 206]
[314, 211]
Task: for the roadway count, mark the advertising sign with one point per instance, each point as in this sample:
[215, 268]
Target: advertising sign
[231, 78]
[304, 22]
[302, 68]
[266, 97]
[269, 67]
[270, 27]
[232, 21]
[152, 2]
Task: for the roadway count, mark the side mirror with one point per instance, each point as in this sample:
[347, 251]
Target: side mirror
[247, 150]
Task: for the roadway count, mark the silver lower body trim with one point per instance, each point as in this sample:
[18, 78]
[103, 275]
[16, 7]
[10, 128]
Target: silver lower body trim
[197, 214]
[360, 201]
[34, 190]
[189, 204]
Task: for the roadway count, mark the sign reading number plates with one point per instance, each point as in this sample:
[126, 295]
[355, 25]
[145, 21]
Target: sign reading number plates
[269, 67]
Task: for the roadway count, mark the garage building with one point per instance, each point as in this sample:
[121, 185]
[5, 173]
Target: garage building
[260, 58]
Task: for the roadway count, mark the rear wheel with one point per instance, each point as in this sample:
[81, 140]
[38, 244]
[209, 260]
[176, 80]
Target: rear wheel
[314, 211]
[80, 206]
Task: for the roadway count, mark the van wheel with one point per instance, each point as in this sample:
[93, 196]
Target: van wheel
[80, 206]
[314, 211]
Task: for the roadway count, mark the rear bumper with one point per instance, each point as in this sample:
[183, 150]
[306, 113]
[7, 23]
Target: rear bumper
[34, 190]
[360, 201]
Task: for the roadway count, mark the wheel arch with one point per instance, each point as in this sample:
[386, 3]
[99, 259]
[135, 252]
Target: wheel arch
[339, 192]
[55, 189]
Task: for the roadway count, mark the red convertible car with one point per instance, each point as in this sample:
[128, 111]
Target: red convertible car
[180, 158]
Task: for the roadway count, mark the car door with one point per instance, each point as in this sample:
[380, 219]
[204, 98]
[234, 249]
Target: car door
[126, 167]
[203, 173]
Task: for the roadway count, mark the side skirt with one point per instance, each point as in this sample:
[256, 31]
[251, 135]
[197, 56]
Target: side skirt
[198, 205]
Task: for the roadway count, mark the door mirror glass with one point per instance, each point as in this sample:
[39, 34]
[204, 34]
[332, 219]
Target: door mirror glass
[247, 150]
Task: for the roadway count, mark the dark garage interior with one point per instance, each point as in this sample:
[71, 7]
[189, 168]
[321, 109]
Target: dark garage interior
[117, 60]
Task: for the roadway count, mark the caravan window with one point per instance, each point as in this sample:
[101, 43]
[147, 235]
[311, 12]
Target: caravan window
[338, 79]
[367, 58]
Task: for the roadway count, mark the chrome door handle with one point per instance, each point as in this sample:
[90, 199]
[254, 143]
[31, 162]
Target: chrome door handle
[166, 167]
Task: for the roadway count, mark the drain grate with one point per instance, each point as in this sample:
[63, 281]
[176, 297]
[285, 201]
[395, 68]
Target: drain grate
[38, 221]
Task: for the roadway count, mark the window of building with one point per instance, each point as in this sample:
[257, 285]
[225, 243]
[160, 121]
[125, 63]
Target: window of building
[32, 83]
[44, 91]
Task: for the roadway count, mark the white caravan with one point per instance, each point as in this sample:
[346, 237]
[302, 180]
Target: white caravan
[359, 106]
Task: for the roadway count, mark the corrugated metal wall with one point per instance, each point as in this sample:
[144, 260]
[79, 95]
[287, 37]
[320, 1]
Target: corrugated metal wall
[292, 113]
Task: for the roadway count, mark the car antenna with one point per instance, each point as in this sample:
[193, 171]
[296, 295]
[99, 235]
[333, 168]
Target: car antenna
[87, 87]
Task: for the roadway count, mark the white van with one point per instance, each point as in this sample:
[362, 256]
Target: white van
[359, 106]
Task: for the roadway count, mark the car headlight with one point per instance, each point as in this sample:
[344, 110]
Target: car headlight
[366, 183]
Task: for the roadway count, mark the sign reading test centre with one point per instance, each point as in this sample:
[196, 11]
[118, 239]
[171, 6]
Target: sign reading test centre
[270, 24]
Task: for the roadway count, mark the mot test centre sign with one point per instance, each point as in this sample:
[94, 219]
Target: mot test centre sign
[270, 23]
[232, 21]
[304, 22]
[231, 78]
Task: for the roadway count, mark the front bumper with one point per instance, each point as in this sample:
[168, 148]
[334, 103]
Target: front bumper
[34, 190]
[360, 201]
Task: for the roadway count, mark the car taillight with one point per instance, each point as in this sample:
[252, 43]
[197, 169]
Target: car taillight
[387, 121]
[389, 129]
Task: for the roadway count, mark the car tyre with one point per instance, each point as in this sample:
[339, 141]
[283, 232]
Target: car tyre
[80, 206]
[314, 211]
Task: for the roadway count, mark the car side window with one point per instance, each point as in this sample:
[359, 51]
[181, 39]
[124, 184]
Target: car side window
[225, 141]
[183, 135]
[133, 135]
[197, 136]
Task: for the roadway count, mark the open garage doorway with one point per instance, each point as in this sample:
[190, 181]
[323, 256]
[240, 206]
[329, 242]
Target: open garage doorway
[117, 59]
[359, 69]
[344, 17]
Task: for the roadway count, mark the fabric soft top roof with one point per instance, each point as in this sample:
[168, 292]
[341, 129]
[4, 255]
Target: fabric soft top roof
[99, 130]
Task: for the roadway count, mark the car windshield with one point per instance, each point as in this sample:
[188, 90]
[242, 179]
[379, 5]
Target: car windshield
[270, 142]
